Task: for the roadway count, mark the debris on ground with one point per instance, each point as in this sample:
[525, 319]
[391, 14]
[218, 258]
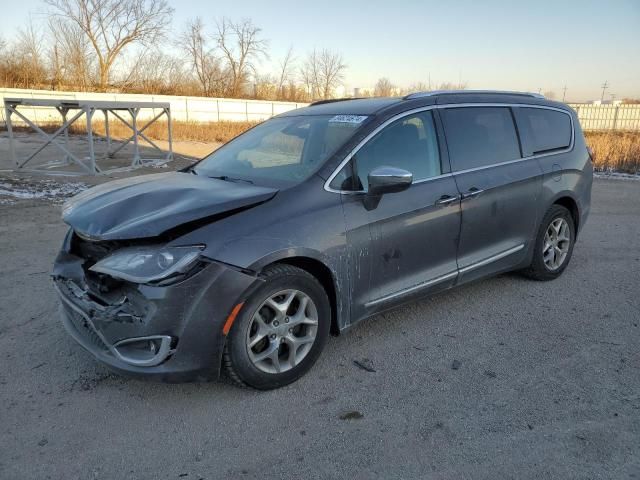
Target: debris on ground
[351, 415]
[365, 364]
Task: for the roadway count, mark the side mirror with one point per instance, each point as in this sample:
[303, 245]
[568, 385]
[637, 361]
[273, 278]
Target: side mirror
[388, 180]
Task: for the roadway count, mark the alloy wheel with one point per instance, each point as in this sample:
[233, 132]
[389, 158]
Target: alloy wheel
[282, 331]
[557, 241]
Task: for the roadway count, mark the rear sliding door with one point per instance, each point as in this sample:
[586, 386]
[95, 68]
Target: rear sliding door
[499, 188]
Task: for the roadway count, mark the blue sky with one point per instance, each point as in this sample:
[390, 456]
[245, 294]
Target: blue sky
[488, 44]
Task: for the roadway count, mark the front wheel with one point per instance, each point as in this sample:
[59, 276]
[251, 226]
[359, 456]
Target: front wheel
[554, 244]
[281, 330]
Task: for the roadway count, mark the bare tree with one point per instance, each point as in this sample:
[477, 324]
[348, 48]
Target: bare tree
[155, 72]
[265, 87]
[286, 72]
[417, 87]
[310, 76]
[27, 60]
[241, 46]
[550, 94]
[322, 73]
[71, 54]
[204, 63]
[452, 86]
[113, 25]
[384, 88]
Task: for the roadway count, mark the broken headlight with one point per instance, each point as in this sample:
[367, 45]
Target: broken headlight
[147, 264]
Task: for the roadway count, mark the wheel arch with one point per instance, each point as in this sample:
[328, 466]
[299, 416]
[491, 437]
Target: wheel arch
[323, 274]
[570, 203]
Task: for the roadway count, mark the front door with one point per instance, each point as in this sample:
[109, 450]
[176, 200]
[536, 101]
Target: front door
[402, 244]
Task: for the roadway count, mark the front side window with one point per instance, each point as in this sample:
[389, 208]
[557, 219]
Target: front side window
[281, 151]
[480, 136]
[409, 143]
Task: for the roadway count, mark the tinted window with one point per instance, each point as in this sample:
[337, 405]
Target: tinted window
[480, 136]
[409, 143]
[546, 129]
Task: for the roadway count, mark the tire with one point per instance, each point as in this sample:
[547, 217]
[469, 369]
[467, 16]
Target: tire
[542, 268]
[274, 318]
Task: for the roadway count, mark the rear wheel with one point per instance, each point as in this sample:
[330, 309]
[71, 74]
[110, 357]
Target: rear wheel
[280, 331]
[554, 244]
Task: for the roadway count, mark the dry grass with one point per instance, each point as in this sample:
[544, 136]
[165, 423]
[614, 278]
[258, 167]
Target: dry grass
[618, 151]
[182, 131]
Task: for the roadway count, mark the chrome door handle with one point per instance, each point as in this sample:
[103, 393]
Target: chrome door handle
[446, 200]
[472, 192]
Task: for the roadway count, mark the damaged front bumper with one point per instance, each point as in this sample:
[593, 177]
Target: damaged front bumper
[171, 333]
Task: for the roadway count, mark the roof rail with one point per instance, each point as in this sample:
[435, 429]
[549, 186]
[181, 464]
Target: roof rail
[470, 92]
[331, 100]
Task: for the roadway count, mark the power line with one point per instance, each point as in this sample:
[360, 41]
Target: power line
[564, 92]
[605, 85]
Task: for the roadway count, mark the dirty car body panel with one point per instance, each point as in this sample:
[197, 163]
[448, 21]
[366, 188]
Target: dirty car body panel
[374, 252]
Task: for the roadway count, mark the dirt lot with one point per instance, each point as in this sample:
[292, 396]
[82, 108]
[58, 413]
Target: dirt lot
[504, 378]
[185, 152]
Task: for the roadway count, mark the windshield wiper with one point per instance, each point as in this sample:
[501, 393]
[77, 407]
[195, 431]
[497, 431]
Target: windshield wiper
[227, 178]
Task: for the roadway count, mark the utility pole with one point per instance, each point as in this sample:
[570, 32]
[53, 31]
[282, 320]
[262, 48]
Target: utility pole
[564, 92]
[605, 85]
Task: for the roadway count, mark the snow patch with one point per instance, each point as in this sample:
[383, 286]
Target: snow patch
[46, 190]
[617, 175]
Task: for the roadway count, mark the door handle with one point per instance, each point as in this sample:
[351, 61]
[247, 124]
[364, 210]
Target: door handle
[446, 200]
[472, 192]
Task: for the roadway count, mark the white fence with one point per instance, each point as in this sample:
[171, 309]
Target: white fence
[196, 109]
[608, 117]
[203, 109]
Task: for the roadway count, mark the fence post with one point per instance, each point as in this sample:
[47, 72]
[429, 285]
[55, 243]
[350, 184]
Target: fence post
[186, 108]
[615, 117]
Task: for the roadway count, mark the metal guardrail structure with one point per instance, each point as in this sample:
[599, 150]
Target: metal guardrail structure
[71, 111]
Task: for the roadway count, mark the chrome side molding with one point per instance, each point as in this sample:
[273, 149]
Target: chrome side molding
[445, 277]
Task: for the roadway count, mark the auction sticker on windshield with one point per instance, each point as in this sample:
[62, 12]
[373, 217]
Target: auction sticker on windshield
[350, 119]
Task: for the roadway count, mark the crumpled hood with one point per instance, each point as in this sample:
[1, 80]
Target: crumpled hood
[148, 205]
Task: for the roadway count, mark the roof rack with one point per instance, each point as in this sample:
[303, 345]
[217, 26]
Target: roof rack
[332, 100]
[469, 92]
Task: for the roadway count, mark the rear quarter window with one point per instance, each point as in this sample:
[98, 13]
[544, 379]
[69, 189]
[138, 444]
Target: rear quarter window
[480, 136]
[544, 130]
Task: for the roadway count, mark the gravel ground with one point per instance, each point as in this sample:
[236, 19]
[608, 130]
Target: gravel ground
[504, 378]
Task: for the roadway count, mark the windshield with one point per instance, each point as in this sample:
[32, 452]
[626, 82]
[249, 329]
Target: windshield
[281, 151]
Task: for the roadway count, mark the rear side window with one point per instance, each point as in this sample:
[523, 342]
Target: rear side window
[480, 136]
[544, 130]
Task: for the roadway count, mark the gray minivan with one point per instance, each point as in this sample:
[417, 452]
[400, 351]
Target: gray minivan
[314, 220]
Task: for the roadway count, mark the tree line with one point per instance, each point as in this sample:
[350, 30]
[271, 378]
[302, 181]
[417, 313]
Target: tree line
[121, 45]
